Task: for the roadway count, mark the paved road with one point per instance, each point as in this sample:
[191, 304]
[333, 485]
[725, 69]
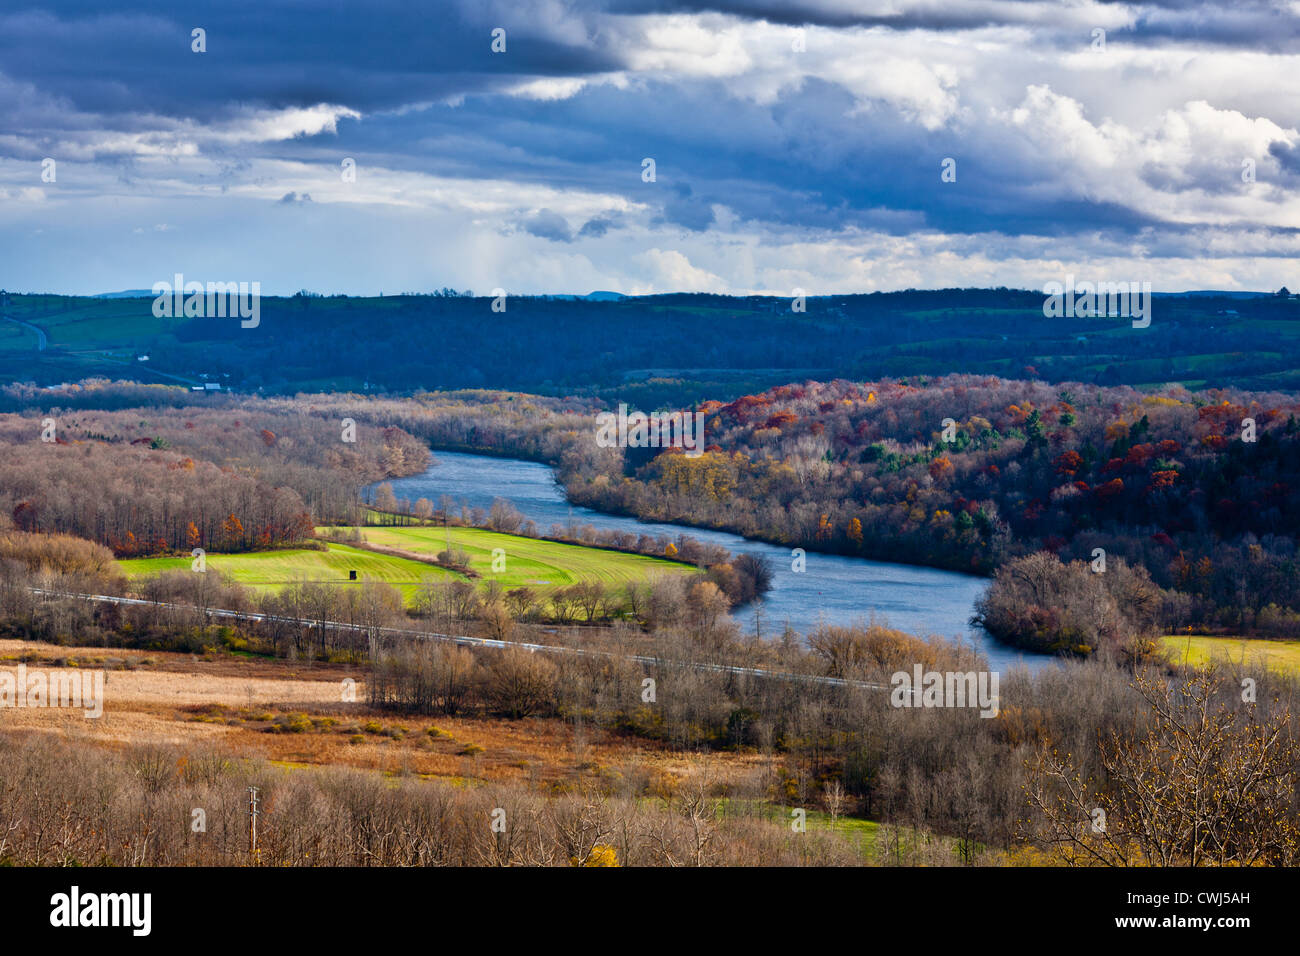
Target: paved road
[465, 640]
[41, 340]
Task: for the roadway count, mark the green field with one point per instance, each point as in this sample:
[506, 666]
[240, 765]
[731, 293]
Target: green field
[274, 569]
[540, 565]
[1201, 649]
[91, 323]
[529, 562]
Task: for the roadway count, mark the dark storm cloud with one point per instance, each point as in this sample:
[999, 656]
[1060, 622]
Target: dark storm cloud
[596, 228]
[548, 224]
[1288, 156]
[388, 54]
[797, 166]
[934, 16]
[1244, 23]
[373, 55]
[683, 208]
[789, 149]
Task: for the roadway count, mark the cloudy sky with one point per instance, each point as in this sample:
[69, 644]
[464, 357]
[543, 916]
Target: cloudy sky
[796, 144]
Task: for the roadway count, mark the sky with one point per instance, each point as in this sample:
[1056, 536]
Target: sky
[821, 146]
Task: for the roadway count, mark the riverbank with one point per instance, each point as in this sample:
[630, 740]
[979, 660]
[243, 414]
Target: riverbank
[809, 589]
[686, 522]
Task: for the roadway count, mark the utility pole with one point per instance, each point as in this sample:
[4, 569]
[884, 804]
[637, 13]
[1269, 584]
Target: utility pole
[252, 824]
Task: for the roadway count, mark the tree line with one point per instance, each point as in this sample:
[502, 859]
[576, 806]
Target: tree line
[165, 480]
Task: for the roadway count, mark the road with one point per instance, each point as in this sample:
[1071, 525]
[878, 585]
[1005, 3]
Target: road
[465, 640]
[41, 340]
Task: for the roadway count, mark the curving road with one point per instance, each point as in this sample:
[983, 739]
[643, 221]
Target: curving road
[41, 340]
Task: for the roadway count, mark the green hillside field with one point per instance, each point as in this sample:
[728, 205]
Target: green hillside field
[529, 562]
[272, 570]
[540, 565]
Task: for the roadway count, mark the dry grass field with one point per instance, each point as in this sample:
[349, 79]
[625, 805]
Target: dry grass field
[295, 715]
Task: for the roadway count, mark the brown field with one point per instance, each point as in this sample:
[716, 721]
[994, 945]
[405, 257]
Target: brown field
[234, 703]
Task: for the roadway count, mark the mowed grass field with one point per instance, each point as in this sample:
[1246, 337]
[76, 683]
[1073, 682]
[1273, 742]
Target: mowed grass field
[540, 565]
[1199, 650]
[272, 570]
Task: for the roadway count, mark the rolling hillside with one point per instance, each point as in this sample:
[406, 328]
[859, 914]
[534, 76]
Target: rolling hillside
[702, 346]
[543, 566]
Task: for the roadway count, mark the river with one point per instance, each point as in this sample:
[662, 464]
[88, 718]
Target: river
[834, 589]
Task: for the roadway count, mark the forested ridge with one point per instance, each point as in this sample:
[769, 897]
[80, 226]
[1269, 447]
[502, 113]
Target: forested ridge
[675, 348]
[1202, 489]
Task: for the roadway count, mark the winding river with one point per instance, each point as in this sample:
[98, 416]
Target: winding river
[833, 589]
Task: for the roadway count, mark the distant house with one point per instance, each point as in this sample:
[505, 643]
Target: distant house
[196, 388]
[212, 386]
[142, 358]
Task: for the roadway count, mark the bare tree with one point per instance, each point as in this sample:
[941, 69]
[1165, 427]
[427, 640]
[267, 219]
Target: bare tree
[1206, 782]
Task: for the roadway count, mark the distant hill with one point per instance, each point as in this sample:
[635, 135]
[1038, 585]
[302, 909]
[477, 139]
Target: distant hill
[589, 297]
[1205, 293]
[653, 351]
[126, 294]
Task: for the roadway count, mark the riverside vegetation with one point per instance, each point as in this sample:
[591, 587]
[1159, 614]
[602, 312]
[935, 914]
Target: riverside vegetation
[971, 789]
